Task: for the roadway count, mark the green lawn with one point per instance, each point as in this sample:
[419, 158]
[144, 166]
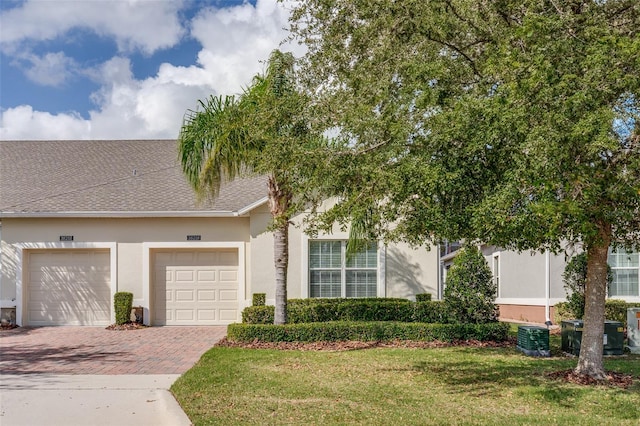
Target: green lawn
[388, 386]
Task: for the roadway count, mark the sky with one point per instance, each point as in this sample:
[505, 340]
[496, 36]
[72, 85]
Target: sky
[126, 69]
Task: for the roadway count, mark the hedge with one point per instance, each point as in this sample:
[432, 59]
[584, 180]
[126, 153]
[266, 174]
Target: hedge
[366, 331]
[614, 310]
[365, 309]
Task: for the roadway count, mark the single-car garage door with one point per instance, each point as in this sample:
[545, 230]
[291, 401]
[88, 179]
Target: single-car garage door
[195, 287]
[68, 287]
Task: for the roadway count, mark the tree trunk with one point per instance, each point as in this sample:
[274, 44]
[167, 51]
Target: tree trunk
[590, 362]
[281, 261]
[279, 200]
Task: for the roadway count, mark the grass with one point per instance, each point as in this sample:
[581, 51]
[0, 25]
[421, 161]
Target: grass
[383, 386]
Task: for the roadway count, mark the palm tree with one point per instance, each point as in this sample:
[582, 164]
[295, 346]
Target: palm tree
[256, 133]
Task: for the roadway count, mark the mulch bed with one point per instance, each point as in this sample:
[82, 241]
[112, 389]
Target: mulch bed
[614, 379]
[6, 327]
[126, 326]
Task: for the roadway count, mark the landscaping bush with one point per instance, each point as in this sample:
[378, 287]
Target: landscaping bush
[562, 312]
[423, 297]
[366, 331]
[123, 303]
[258, 315]
[321, 310]
[434, 312]
[259, 299]
[616, 310]
[470, 291]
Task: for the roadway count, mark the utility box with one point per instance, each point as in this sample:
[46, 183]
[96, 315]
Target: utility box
[533, 341]
[633, 330]
[613, 339]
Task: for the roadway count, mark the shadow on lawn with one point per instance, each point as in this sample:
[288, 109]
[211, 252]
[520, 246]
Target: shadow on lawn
[476, 378]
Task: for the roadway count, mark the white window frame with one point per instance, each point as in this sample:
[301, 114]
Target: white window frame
[495, 270]
[631, 298]
[305, 270]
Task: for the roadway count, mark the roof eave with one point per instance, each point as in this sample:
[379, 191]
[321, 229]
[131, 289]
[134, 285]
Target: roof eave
[117, 214]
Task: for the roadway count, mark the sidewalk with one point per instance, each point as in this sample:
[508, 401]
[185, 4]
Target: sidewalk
[69, 400]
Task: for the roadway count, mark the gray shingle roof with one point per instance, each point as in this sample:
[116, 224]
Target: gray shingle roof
[104, 176]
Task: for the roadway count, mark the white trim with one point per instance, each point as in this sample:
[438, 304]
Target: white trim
[6, 303]
[547, 285]
[113, 266]
[146, 273]
[304, 267]
[497, 274]
[534, 301]
[252, 206]
[382, 270]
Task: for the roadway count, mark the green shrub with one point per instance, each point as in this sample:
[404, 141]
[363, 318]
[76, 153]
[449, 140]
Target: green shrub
[434, 312]
[123, 303]
[366, 331]
[562, 312]
[259, 299]
[258, 314]
[470, 292]
[321, 310]
[616, 310]
[423, 297]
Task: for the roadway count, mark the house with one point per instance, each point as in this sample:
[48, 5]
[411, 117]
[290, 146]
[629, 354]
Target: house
[82, 220]
[530, 283]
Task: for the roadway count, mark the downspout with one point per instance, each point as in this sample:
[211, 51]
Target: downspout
[547, 287]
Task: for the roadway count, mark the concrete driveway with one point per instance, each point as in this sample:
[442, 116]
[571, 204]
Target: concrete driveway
[89, 375]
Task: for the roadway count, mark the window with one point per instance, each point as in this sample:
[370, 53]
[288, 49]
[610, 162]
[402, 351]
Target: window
[332, 274]
[625, 267]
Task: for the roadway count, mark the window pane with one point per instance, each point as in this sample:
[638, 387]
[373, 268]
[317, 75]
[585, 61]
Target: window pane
[620, 258]
[361, 283]
[324, 284]
[625, 283]
[324, 254]
[364, 259]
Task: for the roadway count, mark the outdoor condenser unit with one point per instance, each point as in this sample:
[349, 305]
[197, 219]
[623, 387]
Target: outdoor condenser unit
[613, 343]
[633, 330]
[533, 340]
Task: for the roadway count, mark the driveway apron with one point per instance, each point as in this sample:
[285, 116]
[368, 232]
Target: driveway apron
[93, 376]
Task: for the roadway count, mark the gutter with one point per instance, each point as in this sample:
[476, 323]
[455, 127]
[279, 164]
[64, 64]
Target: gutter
[119, 214]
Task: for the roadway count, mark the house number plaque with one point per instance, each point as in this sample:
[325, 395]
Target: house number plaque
[66, 237]
[194, 237]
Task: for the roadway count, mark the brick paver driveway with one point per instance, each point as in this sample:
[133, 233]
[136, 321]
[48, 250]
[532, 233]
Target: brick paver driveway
[94, 350]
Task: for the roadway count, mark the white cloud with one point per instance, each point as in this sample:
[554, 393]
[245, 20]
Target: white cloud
[51, 69]
[144, 25]
[234, 42]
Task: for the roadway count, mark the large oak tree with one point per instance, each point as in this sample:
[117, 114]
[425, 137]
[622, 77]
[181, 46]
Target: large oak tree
[509, 122]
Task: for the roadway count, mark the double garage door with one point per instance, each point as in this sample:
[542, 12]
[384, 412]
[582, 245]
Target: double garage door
[195, 287]
[188, 287]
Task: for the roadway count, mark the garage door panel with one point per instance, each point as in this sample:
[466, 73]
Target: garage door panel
[68, 287]
[193, 290]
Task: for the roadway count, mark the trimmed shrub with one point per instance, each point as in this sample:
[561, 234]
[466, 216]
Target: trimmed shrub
[366, 331]
[123, 303]
[258, 315]
[434, 312]
[259, 299]
[423, 297]
[616, 310]
[321, 310]
[470, 291]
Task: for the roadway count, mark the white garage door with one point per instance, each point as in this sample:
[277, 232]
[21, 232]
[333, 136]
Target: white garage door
[68, 287]
[195, 287]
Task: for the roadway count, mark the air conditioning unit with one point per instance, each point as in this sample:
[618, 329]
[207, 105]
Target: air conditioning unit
[533, 340]
[633, 330]
[613, 339]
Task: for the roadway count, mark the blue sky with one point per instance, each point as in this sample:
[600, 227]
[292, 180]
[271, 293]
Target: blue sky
[125, 69]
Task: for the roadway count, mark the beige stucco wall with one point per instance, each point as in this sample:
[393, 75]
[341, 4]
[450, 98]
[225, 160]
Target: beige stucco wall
[407, 271]
[128, 234]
